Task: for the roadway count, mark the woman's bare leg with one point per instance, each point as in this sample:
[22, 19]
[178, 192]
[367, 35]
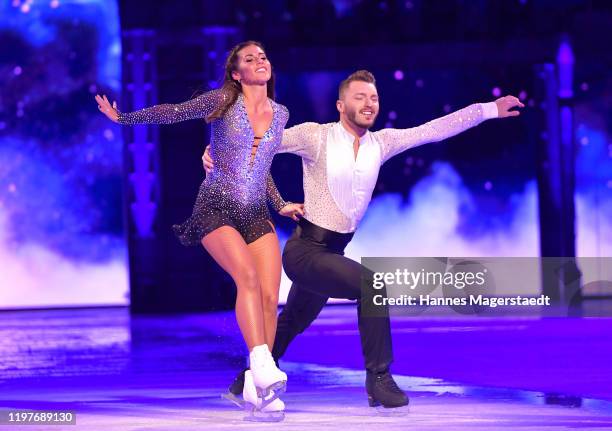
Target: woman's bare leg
[266, 254]
[230, 251]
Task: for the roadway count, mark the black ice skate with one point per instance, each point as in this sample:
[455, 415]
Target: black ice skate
[384, 392]
[234, 392]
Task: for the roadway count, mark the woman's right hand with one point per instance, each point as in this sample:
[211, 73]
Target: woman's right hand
[292, 210]
[106, 108]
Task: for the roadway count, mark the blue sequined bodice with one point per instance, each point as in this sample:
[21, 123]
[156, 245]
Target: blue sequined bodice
[231, 143]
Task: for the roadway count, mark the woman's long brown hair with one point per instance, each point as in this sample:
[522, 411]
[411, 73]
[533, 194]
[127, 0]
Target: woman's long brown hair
[231, 88]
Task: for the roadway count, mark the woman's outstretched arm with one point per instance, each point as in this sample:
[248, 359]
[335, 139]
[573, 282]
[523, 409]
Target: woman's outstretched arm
[167, 113]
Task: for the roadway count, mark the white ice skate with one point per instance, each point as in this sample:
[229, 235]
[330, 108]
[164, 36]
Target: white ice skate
[272, 411]
[267, 378]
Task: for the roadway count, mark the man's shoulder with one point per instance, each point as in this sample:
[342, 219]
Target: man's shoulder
[383, 134]
[311, 126]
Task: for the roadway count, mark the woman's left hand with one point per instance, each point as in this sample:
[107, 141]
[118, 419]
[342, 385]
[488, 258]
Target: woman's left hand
[505, 104]
[295, 211]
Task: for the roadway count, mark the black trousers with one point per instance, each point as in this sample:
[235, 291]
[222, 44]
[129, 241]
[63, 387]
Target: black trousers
[314, 260]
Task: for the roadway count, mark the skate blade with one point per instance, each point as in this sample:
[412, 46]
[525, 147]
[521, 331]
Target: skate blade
[234, 399]
[277, 388]
[392, 411]
[256, 415]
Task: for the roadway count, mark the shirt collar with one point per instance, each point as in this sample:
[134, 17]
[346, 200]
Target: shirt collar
[347, 137]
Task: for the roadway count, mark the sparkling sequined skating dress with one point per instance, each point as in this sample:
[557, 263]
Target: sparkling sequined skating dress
[234, 193]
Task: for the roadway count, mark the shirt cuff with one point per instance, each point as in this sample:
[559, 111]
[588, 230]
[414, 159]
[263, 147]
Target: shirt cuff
[489, 110]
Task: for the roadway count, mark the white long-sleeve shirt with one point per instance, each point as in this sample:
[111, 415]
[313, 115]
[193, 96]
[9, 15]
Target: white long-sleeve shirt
[337, 186]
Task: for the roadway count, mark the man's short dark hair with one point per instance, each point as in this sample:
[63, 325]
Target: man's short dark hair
[360, 75]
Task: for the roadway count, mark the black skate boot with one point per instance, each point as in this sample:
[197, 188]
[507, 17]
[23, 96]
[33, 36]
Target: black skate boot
[234, 392]
[384, 392]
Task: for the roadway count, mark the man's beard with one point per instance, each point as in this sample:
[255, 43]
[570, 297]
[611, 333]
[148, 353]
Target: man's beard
[352, 115]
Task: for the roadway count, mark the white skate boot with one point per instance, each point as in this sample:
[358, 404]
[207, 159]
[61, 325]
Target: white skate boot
[267, 378]
[273, 411]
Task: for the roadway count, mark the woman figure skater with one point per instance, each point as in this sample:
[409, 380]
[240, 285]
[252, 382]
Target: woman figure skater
[230, 217]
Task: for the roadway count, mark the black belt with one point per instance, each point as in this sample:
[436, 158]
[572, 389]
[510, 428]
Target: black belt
[335, 240]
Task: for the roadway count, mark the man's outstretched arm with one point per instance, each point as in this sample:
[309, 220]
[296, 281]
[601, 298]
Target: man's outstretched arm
[394, 141]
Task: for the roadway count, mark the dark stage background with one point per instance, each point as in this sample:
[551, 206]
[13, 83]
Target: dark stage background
[64, 169]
